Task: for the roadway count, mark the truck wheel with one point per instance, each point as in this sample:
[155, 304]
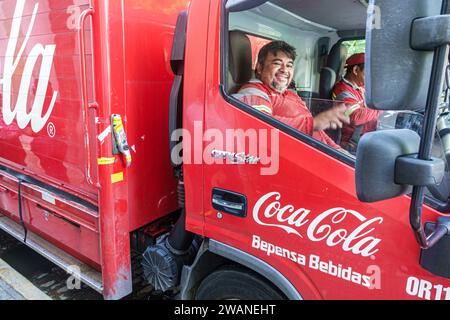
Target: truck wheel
[235, 283]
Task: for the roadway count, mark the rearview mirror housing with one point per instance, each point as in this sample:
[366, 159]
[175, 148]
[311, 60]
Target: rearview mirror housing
[397, 76]
[376, 160]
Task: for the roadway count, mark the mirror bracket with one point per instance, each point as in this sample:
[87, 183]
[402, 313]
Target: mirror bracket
[410, 170]
[429, 33]
[435, 258]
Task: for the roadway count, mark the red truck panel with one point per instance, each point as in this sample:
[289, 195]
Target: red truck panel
[304, 220]
[148, 33]
[41, 123]
[47, 99]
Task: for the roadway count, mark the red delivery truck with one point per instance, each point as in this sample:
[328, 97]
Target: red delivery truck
[123, 128]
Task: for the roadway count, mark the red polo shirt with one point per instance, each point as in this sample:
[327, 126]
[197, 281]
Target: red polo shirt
[287, 107]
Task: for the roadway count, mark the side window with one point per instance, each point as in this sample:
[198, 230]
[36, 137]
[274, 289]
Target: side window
[354, 46]
[285, 86]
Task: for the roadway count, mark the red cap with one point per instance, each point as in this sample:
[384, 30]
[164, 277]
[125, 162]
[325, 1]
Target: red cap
[357, 58]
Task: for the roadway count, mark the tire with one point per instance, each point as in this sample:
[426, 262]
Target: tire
[236, 283]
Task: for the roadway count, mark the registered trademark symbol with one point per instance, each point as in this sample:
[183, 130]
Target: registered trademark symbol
[51, 130]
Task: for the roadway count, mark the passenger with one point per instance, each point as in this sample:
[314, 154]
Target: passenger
[351, 90]
[269, 93]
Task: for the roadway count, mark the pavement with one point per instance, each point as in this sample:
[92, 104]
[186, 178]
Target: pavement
[8, 293]
[13, 286]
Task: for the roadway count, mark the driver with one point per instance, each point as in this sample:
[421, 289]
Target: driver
[351, 90]
[269, 93]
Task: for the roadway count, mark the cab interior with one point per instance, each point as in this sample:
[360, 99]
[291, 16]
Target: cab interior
[324, 32]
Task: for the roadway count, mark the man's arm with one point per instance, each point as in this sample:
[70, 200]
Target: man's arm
[333, 118]
[361, 114]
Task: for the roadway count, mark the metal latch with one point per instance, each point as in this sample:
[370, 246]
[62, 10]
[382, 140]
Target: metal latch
[120, 138]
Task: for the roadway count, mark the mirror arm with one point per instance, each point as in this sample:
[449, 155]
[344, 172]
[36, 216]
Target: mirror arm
[431, 112]
[430, 33]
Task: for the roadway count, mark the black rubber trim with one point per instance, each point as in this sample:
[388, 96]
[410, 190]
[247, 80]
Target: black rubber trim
[224, 40]
[22, 223]
[63, 194]
[176, 92]
[179, 44]
[175, 114]
[440, 206]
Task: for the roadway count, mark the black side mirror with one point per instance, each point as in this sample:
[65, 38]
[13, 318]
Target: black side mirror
[397, 76]
[375, 165]
[387, 165]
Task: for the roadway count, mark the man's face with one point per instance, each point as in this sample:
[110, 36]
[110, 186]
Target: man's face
[277, 71]
[359, 76]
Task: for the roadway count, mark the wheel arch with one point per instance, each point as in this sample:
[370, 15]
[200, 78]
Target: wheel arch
[213, 254]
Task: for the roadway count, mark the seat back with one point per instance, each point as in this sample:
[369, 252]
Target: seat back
[240, 61]
[333, 70]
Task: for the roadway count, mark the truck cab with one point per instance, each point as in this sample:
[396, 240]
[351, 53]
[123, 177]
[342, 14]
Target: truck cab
[293, 217]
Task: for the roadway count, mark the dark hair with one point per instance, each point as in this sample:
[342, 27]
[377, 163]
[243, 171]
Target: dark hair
[274, 47]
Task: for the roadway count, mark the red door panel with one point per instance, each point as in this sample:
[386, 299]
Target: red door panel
[305, 219]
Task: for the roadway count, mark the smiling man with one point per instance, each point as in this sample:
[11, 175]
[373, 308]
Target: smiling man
[269, 93]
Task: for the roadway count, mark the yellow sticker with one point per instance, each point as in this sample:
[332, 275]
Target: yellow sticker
[117, 177]
[106, 161]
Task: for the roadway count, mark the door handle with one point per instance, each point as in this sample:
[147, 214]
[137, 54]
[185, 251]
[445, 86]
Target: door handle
[229, 202]
[84, 95]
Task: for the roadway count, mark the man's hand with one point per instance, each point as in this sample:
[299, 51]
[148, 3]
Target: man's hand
[331, 119]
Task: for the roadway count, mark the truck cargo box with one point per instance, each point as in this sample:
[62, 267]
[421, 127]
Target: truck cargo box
[66, 68]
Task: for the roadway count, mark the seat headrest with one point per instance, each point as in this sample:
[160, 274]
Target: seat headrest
[334, 69]
[240, 58]
[336, 59]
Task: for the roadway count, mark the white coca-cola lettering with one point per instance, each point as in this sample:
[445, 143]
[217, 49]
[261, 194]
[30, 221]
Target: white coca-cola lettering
[268, 211]
[11, 62]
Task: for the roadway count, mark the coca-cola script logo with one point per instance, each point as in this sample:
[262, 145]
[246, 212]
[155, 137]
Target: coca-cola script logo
[329, 227]
[12, 59]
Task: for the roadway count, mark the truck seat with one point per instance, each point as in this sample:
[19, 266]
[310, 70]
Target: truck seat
[329, 76]
[240, 61]
[333, 70]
